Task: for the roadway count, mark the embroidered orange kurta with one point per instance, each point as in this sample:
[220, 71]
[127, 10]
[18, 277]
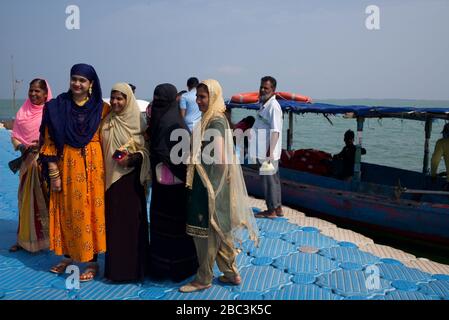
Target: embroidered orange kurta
[77, 213]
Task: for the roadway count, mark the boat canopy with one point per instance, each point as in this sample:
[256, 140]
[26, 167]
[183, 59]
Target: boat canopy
[412, 113]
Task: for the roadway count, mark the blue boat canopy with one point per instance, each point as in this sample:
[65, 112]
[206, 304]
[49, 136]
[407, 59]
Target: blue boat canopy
[413, 113]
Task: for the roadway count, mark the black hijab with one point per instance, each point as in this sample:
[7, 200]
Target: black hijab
[165, 118]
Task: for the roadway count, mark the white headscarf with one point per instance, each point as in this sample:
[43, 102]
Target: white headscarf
[124, 130]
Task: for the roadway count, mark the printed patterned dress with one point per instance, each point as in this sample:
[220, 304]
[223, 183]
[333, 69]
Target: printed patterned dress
[77, 213]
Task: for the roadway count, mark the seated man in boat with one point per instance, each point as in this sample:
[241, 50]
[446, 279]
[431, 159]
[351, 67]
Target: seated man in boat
[244, 125]
[441, 150]
[347, 157]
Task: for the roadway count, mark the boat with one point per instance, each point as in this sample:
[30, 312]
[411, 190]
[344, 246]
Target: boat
[379, 198]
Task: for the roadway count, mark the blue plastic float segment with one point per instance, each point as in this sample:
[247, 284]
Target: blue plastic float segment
[272, 235]
[346, 244]
[24, 279]
[310, 229]
[442, 277]
[58, 283]
[250, 296]
[304, 278]
[40, 294]
[353, 283]
[23, 259]
[436, 288]
[243, 260]
[404, 285]
[274, 248]
[302, 292]
[399, 272]
[213, 293]
[391, 261]
[97, 290]
[405, 295]
[262, 261]
[153, 293]
[314, 239]
[342, 254]
[274, 225]
[358, 298]
[351, 266]
[261, 279]
[299, 263]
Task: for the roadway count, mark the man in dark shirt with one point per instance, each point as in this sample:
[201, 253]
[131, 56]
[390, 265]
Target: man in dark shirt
[347, 156]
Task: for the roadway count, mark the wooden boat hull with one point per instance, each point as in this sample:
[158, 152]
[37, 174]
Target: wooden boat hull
[419, 220]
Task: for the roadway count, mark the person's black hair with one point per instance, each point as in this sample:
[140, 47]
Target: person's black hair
[250, 120]
[271, 80]
[445, 131]
[133, 87]
[202, 86]
[180, 93]
[349, 135]
[41, 83]
[192, 82]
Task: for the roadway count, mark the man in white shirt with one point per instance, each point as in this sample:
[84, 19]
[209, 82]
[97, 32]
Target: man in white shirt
[188, 108]
[267, 135]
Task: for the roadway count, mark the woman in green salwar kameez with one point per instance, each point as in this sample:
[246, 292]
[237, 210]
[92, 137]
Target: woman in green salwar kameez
[218, 208]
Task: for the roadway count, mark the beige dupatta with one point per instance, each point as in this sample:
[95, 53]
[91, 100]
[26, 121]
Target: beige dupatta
[124, 131]
[237, 210]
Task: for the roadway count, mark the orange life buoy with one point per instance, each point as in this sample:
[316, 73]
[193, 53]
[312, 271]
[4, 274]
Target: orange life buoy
[253, 97]
[248, 97]
[293, 97]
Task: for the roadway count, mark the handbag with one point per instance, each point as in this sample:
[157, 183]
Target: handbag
[15, 164]
[165, 176]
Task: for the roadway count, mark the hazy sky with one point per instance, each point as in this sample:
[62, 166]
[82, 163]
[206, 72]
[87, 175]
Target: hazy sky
[319, 48]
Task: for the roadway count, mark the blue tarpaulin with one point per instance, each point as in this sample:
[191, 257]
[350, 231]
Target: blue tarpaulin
[358, 110]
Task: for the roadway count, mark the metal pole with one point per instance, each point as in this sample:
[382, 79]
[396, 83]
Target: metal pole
[290, 131]
[358, 150]
[13, 81]
[428, 128]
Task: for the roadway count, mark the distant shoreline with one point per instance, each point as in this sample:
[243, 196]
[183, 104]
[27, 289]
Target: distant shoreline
[7, 123]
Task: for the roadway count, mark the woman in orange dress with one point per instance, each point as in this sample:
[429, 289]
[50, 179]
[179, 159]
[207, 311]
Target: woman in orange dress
[72, 151]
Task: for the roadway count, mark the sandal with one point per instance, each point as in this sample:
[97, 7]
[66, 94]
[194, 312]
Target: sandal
[60, 267]
[236, 280]
[266, 214]
[194, 286]
[90, 273]
[15, 248]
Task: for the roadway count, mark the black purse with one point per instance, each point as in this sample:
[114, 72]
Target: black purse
[15, 164]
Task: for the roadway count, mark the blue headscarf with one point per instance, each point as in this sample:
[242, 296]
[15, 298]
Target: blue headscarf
[69, 123]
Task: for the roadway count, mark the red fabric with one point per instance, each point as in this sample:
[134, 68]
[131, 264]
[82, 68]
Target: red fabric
[307, 160]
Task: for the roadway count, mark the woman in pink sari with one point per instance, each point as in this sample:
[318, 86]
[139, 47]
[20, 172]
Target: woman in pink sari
[32, 233]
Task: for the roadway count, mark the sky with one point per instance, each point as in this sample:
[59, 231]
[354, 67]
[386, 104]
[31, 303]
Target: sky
[319, 48]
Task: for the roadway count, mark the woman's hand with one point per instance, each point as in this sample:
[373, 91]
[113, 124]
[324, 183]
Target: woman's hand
[56, 185]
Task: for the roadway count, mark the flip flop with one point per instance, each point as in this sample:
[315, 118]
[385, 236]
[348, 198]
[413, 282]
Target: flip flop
[60, 267]
[191, 287]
